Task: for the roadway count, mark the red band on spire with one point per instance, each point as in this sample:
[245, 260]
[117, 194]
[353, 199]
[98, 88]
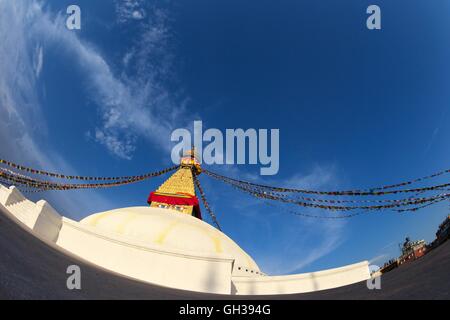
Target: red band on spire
[183, 199]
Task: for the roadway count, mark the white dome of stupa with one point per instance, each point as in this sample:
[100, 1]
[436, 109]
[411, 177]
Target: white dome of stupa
[173, 230]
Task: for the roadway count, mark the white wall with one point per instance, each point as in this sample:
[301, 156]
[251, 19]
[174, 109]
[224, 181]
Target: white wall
[39, 217]
[300, 283]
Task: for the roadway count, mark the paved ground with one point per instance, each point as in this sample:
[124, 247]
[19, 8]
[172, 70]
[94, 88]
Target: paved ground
[30, 269]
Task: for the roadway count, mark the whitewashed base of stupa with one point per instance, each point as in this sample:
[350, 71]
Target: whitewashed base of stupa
[180, 269]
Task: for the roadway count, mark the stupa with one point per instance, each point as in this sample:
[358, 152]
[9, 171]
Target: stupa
[167, 243]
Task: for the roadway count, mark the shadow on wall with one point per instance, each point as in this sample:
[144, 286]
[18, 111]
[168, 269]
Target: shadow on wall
[212, 277]
[48, 223]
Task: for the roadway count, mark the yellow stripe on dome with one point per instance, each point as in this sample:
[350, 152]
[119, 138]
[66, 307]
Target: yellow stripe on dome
[129, 217]
[217, 244]
[162, 236]
[93, 221]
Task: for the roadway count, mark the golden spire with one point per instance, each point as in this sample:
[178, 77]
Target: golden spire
[178, 192]
[179, 182]
[190, 160]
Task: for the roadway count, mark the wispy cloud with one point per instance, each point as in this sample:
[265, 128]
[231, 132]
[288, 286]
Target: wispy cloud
[133, 102]
[332, 237]
[24, 30]
[379, 259]
[130, 10]
[318, 177]
[136, 103]
[385, 253]
[38, 60]
[432, 139]
[319, 237]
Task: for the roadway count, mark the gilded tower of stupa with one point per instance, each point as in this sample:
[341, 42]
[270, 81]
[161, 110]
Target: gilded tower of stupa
[178, 191]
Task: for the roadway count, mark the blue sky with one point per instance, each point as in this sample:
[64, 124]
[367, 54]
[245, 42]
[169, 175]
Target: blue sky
[355, 108]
